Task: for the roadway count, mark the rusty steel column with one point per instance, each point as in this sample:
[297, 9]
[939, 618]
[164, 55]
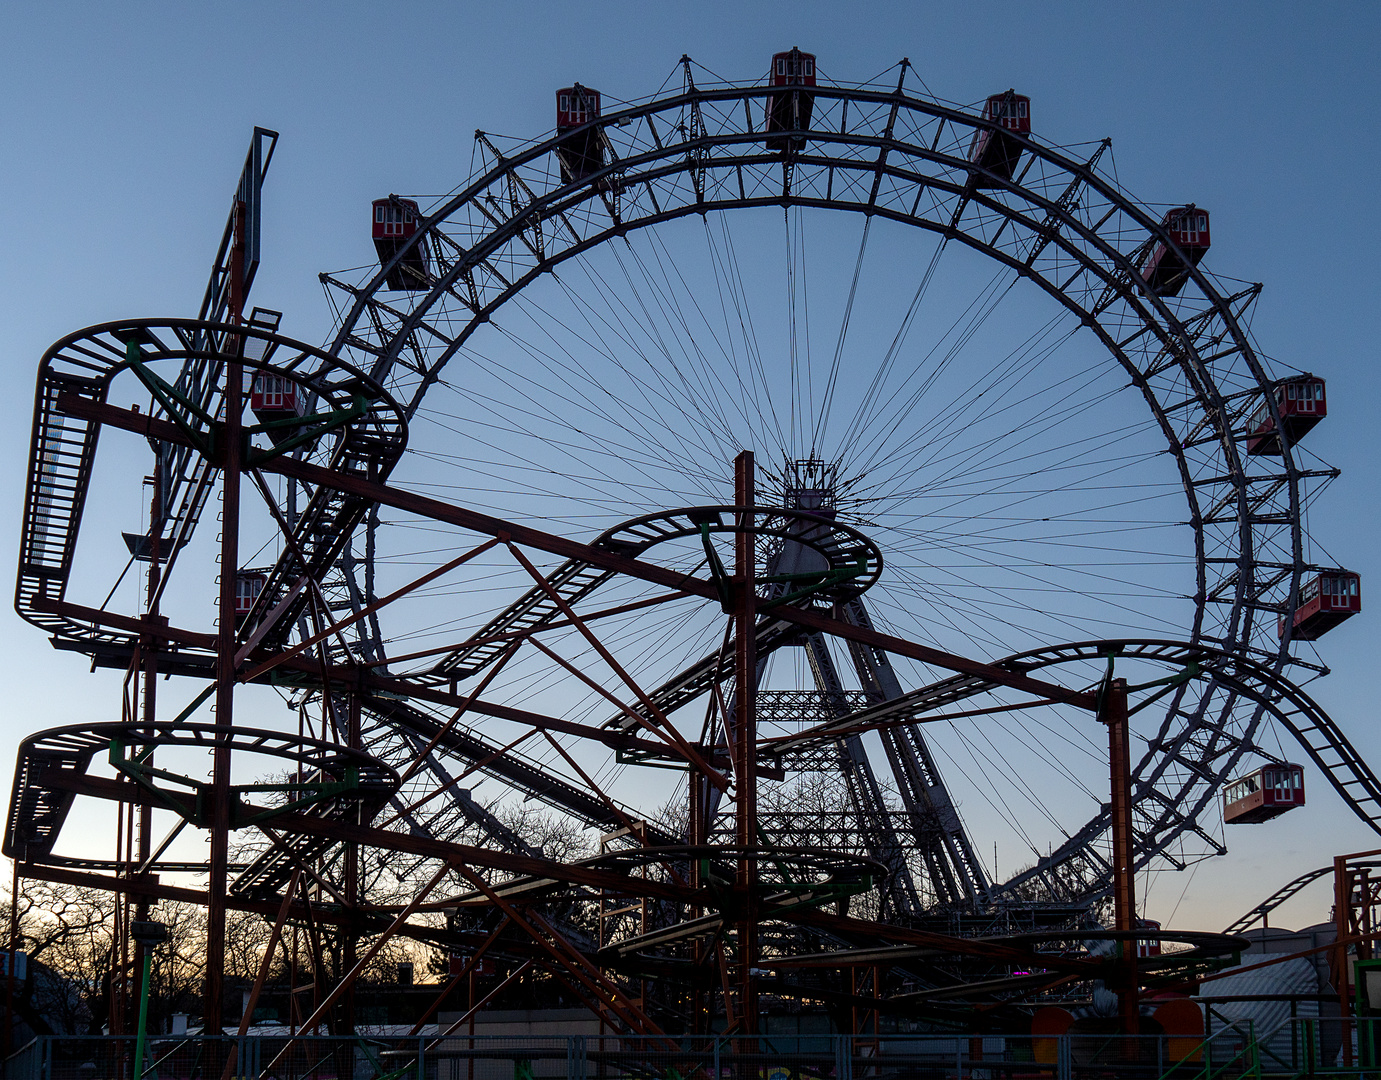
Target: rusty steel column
[350, 951]
[746, 738]
[1342, 928]
[1113, 713]
[148, 647]
[695, 805]
[695, 837]
[230, 451]
[1362, 919]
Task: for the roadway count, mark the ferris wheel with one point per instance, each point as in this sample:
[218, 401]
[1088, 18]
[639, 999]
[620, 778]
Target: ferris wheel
[997, 409]
[969, 344]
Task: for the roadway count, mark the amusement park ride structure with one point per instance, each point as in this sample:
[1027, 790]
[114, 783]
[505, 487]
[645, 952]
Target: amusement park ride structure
[720, 905]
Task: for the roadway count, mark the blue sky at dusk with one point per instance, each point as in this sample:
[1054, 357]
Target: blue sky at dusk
[126, 125]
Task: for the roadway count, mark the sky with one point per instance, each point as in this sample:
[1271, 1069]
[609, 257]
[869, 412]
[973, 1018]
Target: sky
[126, 125]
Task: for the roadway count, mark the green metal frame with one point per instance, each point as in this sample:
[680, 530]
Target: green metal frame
[815, 579]
[206, 439]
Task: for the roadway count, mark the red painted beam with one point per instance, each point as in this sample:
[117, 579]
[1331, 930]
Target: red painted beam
[354, 677]
[474, 521]
[148, 886]
[526, 866]
[488, 525]
[163, 632]
[463, 854]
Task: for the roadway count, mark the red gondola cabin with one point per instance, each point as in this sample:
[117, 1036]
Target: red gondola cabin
[1264, 794]
[396, 221]
[275, 398]
[1325, 600]
[580, 153]
[248, 585]
[790, 112]
[996, 151]
[1148, 946]
[482, 968]
[1167, 269]
[1301, 403]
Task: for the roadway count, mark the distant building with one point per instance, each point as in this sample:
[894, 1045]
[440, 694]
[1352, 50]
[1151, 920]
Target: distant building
[1272, 997]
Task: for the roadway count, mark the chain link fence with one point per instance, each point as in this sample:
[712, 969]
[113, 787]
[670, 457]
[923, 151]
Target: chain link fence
[1302, 1047]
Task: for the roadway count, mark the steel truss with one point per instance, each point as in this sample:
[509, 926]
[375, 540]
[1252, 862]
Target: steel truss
[1060, 224]
[53, 779]
[721, 894]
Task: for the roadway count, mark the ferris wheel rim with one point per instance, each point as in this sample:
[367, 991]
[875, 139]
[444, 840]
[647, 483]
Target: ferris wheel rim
[679, 158]
[1322, 740]
[1146, 302]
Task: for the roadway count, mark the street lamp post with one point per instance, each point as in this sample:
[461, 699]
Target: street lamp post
[147, 934]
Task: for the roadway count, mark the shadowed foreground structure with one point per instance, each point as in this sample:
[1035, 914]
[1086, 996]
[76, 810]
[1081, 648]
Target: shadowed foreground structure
[773, 645]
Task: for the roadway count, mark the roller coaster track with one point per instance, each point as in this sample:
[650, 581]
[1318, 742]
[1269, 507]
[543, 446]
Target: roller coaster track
[1162, 814]
[63, 450]
[1070, 870]
[52, 765]
[690, 154]
[1289, 890]
[1282, 894]
[522, 774]
[572, 580]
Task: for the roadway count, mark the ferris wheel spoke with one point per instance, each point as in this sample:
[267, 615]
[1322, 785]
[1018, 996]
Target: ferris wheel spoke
[728, 279]
[985, 304]
[678, 327]
[990, 770]
[866, 402]
[1014, 774]
[689, 398]
[1027, 474]
[884, 452]
[540, 417]
[659, 387]
[1022, 443]
[753, 384]
[741, 402]
[822, 414]
[652, 398]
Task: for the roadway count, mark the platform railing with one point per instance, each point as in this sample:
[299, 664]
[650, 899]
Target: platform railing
[1231, 1053]
[1330, 1047]
[1296, 1048]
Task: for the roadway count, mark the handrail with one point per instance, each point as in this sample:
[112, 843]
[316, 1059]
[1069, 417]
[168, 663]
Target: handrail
[1305, 1062]
[1250, 1047]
